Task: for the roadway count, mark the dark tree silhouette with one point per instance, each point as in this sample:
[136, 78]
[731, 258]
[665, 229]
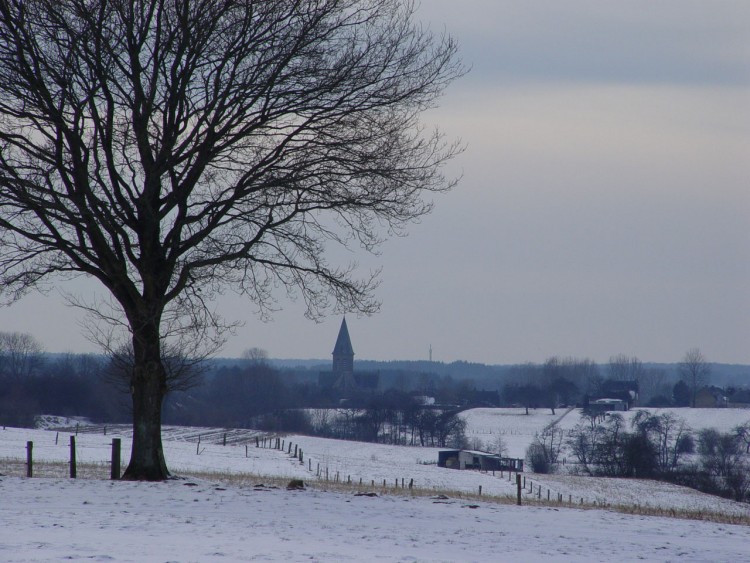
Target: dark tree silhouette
[171, 149]
[695, 372]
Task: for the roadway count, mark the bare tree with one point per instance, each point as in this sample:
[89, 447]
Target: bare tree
[172, 149]
[20, 354]
[625, 368]
[183, 368]
[694, 371]
[255, 355]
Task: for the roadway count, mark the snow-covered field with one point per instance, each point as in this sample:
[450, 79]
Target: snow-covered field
[516, 429]
[200, 517]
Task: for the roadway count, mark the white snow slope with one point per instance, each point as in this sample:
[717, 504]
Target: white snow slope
[192, 519]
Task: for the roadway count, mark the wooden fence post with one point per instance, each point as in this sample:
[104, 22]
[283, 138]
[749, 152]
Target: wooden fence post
[518, 488]
[115, 472]
[224, 443]
[73, 457]
[29, 459]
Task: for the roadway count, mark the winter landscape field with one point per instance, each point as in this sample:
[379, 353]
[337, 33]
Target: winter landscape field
[231, 503]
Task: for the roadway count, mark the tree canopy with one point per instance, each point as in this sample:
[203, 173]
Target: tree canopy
[170, 149]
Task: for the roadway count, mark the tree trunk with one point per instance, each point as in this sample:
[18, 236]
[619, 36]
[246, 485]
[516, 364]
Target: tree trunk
[148, 389]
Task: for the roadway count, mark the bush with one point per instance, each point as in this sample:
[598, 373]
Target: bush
[536, 458]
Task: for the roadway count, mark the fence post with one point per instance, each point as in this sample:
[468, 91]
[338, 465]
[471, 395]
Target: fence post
[115, 473]
[480, 490]
[29, 459]
[518, 488]
[72, 457]
[224, 443]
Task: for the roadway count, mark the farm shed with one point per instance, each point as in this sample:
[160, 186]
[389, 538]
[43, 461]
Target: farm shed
[606, 405]
[468, 459]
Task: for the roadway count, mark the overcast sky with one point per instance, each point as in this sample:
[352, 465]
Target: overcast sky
[604, 204]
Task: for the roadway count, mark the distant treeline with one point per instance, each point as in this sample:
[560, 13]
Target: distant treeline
[271, 393]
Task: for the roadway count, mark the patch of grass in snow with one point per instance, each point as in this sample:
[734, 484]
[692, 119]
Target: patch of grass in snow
[14, 467]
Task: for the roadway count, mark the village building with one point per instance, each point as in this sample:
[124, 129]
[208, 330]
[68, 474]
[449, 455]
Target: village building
[482, 461]
[342, 380]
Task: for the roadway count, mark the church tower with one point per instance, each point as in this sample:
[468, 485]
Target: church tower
[341, 382]
[343, 353]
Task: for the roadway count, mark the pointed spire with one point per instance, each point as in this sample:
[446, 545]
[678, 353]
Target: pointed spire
[343, 353]
[343, 342]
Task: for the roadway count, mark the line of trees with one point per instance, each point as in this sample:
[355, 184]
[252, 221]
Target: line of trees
[392, 417]
[573, 381]
[652, 446]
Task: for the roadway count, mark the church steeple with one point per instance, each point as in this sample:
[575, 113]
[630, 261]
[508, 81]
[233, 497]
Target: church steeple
[343, 353]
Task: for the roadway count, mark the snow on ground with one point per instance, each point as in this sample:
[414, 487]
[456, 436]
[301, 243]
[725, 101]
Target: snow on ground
[513, 426]
[516, 429]
[192, 519]
[196, 520]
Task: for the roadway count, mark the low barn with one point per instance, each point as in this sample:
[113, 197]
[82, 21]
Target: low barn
[468, 459]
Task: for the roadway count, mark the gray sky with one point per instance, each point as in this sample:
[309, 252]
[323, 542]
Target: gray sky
[603, 207]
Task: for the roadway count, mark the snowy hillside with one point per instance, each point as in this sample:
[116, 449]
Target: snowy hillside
[516, 429]
[217, 511]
